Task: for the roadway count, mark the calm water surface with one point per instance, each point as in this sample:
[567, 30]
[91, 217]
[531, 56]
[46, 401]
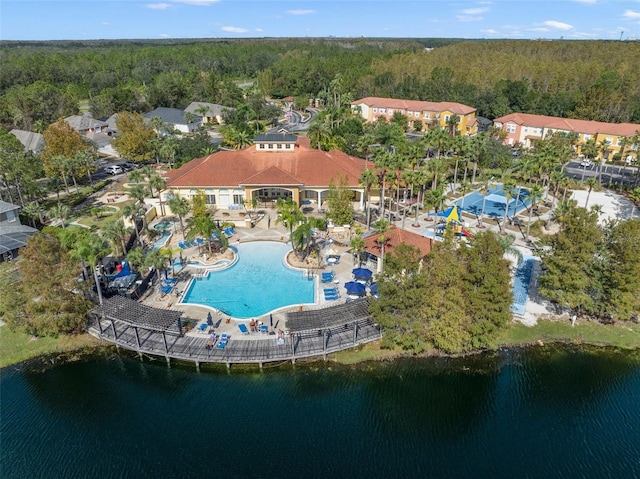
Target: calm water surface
[546, 412]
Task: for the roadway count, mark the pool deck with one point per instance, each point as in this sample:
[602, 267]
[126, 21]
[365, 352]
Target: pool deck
[342, 272]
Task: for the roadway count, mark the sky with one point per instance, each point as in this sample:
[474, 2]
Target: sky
[154, 19]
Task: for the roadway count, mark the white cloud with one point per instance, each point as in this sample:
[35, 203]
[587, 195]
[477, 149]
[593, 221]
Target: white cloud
[164, 35]
[632, 14]
[490, 31]
[105, 23]
[474, 11]
[158, 6]
[202, 3]
[234, 30]
[539, 29]
[557, 25]
[259, 30]
[586, 1]
[467, 18]
[300, 12]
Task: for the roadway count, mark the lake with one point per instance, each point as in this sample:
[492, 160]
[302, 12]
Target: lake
[542, 412]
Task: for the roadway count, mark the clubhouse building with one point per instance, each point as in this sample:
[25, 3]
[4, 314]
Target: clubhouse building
[277, 165]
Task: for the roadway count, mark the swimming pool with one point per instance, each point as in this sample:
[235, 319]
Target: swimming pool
[258, 283]
[163, 225]
[495, 204]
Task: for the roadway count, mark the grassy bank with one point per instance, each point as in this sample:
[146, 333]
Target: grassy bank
[18, 347]
[624, 336]
[620, 335]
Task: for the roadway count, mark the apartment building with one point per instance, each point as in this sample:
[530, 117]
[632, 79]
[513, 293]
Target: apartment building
[429, 114]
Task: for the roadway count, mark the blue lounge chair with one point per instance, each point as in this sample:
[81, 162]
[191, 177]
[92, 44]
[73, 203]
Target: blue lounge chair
[224, 339]
[200, 241]
[333, 297]
[182, 245]
[169, 281]
[327, 277]
[202, 328]
[264, 329]
[243, 329]
[166, 289]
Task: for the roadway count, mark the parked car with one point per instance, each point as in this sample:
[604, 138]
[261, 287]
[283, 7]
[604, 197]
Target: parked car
[586, 163]
[114, 169]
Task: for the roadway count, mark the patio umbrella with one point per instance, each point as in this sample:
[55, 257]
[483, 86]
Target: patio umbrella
[209, 320]
[354, 287]
[373, 287]
[271, 320]
[362, 273]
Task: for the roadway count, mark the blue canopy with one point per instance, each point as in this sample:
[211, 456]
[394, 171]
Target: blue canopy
[362, 273]
[353, 287]
[373, 287]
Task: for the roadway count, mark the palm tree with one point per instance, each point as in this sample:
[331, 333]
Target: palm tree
[508, 188]
[562, 210]
[90, 249]
[634, 196]
[381, 228]
[157, 260]
[535, 193]
[506, 243]
[59, 212]
[32, 211]
[181, 207]
[591, 182]
[115, 231]
[132, 210]
[487, 184]
[158, 183]
[367, 179]
[55, 184]
[357, 246]
[319, 134]
[136, 176]
[206, 227]
[289, 214]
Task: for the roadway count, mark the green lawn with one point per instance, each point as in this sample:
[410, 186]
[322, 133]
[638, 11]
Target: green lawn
[18, 347]
[621, 335]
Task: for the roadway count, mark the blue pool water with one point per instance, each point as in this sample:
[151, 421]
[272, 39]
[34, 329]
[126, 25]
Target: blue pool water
[164, 225]
[521, 283]
[495, 204]
[162, 240]
[259, 282]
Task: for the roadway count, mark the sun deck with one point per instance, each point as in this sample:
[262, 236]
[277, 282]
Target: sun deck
[314, 333]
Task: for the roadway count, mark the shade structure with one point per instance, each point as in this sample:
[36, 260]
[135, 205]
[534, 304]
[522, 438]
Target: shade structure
[209, 320]
[353, 287]
[451, 214]
[330, 252]
[362, 273]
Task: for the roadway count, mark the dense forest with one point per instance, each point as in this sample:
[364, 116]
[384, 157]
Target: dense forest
[42, 81]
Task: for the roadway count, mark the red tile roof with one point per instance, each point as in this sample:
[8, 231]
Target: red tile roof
[302, 166]
[415, 105]
[397, 236]
[569, 124]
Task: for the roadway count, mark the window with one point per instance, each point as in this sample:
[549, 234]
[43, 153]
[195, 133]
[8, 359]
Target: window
[375, 109]
[271, 146]
[309, 194]
[383, 110]
[416, 114]
[279, 146]
[446, 118]
[587, 137]
[11, 216]
[427, 115]
[619, 142]
[390, 111]
[526, 129]
[511, 128]
[609, 141]
[238, 199]
[210, 199]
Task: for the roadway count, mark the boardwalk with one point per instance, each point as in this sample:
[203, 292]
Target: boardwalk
[170, 343]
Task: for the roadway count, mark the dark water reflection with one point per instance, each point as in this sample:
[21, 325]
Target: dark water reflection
[542, 412]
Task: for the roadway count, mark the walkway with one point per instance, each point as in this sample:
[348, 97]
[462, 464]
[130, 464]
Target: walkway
[116, 323]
